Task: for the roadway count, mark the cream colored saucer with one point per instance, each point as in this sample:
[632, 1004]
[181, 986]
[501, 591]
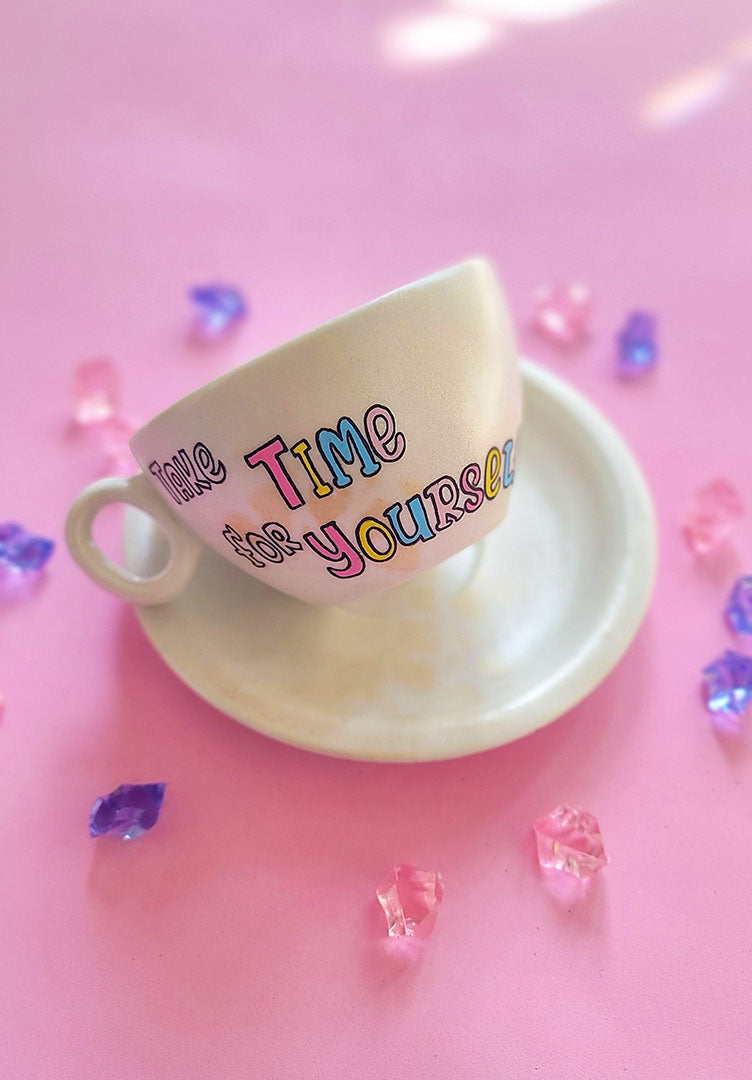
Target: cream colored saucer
[496, 642]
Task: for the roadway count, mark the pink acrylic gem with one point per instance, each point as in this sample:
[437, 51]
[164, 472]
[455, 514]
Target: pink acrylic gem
[410, 899]
[95, 391]
[570, 839]
[562, 313]
[712, 513]
[115, 435]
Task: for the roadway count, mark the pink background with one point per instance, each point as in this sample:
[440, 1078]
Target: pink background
[151, 145]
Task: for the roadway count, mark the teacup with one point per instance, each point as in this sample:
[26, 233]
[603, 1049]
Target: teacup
[344, 462]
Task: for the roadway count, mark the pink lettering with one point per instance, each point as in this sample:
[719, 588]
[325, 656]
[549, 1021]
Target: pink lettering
[269, 456]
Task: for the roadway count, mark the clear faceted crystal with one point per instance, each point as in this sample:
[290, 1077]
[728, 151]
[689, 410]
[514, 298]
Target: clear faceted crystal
[570, 839]
[95, 391]
[711, 515]
[739, 606]
[410, 899]
[562, 313]
[115, 435]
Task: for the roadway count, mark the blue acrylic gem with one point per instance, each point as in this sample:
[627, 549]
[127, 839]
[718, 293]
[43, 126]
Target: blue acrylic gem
[739, 607]
[21, 550]
[637, 345]
[219, 308]
[128, 811]
[728, 683]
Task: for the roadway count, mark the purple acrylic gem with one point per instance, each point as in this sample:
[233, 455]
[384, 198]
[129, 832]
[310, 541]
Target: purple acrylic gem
[637, 347]
[21, 550]
[727, 683]
[9, 530]
[128, 811]
[739, 607]
[219, 308]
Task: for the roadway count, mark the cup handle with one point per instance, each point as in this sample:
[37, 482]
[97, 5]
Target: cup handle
[137, 491]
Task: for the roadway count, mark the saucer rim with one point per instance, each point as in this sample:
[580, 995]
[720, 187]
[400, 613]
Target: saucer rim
[571, 685]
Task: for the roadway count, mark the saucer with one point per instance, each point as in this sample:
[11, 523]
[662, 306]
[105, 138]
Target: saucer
[494, 643]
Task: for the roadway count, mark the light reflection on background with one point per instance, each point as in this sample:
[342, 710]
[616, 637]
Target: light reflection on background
[741, 49]
[531, 10]
[693, 92]
[437, 37]
[443, 35]
[684, 97]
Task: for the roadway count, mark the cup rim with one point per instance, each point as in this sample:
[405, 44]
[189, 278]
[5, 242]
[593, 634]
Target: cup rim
[470, 264]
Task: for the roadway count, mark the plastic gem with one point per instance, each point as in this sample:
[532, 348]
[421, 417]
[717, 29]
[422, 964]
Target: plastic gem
[21, 550]
[115, 435]
[711, 516]
[410, 899]
[727, 683]
[637, 346]
[128, 811]
[219, 308]
[95, 391]
[9, 530]
[562, 313]
[570, 839]
[739, 607]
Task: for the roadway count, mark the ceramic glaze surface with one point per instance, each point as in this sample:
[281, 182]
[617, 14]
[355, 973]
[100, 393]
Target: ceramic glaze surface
[343, 462]
[495, 642]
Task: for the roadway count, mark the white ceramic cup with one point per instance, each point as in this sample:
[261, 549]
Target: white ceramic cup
[342, 463]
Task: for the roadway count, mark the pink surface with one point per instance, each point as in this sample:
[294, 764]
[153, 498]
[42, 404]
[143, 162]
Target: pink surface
[149, 146]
